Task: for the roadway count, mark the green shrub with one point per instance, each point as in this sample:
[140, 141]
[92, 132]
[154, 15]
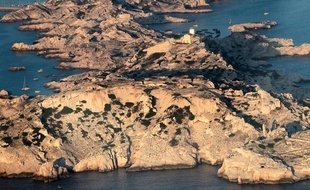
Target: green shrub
[112, 96]
[145, 122]
[148, 90]
[48, 112]
[178, 131]
[173, 142]
[162, 126]
[24, 134]
[128, 114]
[87, 112]
[26, 142]
[107, 107]
[262, 146]
[33, 110]
[270, 145]
[4, 128]
[176, 94]
[150, 114]
[70, 126]
[100, 123]
[84, 133]
[57, 116]
[66, 110]
[78, 110]
[116, 130]
[278, 139]
[7, 140]
[129, 104]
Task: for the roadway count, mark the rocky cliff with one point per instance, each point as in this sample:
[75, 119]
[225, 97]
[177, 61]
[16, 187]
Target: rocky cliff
[152, 102]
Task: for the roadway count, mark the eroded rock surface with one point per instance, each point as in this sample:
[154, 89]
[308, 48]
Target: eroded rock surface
[151, 102]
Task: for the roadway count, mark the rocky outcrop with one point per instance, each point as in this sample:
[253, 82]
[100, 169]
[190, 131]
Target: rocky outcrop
[159, 19]
[268, 162]
[104, 121]
[22, 68]
[244, 166]
[151, 102]
[247, 51]
[252, 26]
[179, 6]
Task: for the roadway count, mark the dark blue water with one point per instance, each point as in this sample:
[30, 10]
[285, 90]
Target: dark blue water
[292, 19]
[202, 177]
[4, 3]
[13, 81]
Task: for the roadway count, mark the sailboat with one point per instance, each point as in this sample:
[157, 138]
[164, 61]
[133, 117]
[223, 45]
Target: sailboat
[266, 12]
[25, 88]
[230, 21]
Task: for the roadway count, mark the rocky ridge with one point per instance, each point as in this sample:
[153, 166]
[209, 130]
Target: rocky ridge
[152, 103]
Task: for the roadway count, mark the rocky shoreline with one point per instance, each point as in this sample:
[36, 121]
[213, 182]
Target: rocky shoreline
[152, 102]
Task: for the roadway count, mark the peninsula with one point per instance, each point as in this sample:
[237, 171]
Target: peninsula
[154, 100]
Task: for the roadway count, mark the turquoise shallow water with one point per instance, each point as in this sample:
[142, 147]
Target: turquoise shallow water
[292, 19]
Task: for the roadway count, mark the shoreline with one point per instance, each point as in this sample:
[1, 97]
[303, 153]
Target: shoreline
[172, 79]
[5, 9]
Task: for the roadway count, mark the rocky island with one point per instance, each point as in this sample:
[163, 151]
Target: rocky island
[153, 101]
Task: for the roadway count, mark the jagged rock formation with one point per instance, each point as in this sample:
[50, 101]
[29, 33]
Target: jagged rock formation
[246, 52]
[152, 103]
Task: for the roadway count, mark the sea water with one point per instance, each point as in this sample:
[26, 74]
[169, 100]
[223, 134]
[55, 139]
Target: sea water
[292, 23]
[202, 177]
[292, 18]
[14, 81]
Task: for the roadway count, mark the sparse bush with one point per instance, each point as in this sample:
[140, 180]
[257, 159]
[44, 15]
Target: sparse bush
[7, 140]
[150, 114]
[270, 145]
[57, 116]
[129, 104]
[107, 107]
[262, 146]
[84, 133]
[162, 126]
[145, 122]
[178, 131]
[173, 142]
[26, 142]
[78, 110]
[87, 112]
[112, 96]
[70, 127]
[66, 110]
[4, 128]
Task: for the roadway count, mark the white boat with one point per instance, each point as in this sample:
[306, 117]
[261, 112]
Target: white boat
[35, 79]
[25, 88]
[266, 12]
[37, 91]
[40, 70]
[230, 21]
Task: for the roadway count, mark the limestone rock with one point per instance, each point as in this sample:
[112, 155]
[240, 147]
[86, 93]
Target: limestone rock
[244, 166]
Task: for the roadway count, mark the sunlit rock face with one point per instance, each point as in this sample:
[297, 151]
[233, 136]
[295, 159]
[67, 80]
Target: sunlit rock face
[151, 101]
